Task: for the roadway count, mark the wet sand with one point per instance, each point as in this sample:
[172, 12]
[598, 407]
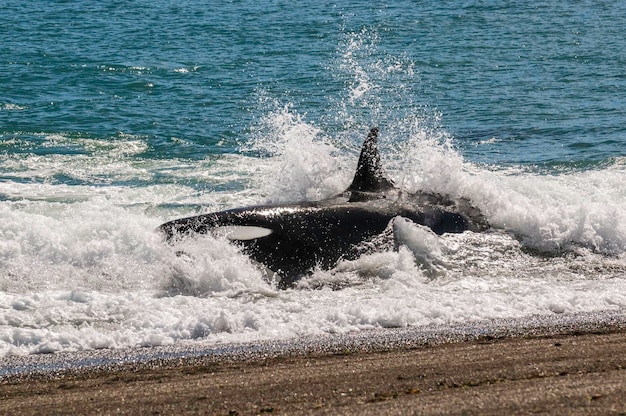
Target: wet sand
[575, 367]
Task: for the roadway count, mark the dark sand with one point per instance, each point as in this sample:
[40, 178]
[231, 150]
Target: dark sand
[570, 368]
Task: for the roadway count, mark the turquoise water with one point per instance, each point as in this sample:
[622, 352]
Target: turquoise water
[117, 116]
[532, 84]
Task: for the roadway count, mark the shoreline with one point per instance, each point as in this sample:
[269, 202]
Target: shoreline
[13, 367]
[568, 364]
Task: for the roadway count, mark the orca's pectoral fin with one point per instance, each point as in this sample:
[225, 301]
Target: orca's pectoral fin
[370, 176]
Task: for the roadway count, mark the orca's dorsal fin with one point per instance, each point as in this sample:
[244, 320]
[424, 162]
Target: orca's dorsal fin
[370, 176]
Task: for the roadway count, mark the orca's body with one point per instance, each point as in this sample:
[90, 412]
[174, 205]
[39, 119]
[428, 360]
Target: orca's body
[291, 240]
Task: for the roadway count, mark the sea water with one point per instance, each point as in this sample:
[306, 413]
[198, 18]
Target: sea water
[118, 116]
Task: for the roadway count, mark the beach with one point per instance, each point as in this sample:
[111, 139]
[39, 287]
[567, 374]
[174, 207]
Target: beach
[118, 117]
[570, 368]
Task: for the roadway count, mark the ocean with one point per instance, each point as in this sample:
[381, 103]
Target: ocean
[117, 116]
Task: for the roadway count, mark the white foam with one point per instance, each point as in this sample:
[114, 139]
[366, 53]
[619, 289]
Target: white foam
[82, 268]
[423, 244]
[305, 165]
[549, 212]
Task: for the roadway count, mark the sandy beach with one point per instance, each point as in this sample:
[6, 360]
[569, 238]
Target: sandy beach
[570, 368]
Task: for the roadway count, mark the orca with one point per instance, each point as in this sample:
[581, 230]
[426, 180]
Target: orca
[292, 240]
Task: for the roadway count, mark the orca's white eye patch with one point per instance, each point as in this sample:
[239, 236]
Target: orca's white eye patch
[241, 232]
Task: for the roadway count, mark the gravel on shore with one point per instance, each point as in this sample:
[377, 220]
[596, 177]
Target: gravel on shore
[569, 364]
